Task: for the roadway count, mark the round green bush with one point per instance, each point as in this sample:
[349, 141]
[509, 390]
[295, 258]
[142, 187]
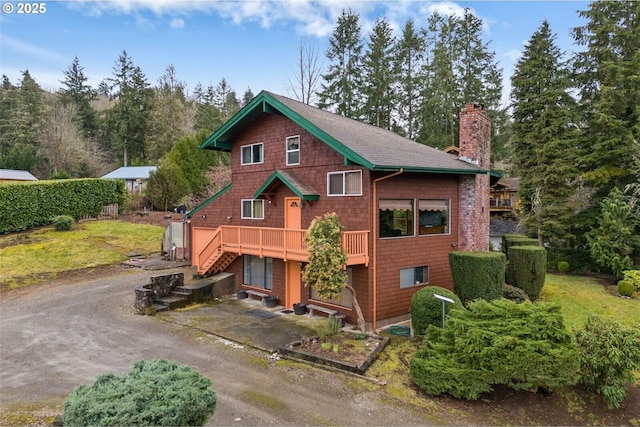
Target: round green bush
[626, 288]
[563, 266]
[62, 222]
[514, 294]
[426, 309]
[153, 393]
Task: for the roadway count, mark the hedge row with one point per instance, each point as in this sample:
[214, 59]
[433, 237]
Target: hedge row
[527, 269]
[33, 204]
[477, 274]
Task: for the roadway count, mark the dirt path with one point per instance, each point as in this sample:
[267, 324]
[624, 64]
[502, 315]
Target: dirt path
[58, 336]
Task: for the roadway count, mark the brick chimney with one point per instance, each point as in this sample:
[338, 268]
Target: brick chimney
[473, 190]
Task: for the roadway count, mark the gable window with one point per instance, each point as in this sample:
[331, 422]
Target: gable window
[252, 209]
[293, 150]
[433, 216]
[396, 217]
[257, 271]
[414, 276]
[252, 154]
[347, 183]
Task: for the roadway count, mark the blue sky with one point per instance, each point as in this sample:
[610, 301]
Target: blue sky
[252, 44]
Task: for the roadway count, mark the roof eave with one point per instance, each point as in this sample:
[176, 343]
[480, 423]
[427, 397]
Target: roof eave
[206, 202]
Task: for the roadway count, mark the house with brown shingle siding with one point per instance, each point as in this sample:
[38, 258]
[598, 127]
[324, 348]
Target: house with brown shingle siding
[404, 205]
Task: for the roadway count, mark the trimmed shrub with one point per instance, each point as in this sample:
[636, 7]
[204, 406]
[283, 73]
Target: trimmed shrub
[625, 288]
[427, 310]
[62, 222]
[633, 276]
[477, 274]
[514, 294]
[527, 269]
[523, 346]
[578, 259]
[153, 393]
[563, 266]
[32, 204]
[509, 240]
[608, 358]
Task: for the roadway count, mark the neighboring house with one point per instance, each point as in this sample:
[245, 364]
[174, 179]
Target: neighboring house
[404, 205]
[12, 175]
[504, 196]
[135, 177]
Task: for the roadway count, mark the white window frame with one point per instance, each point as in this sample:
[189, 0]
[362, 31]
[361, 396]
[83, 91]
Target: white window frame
[289, 151]
[425, 281]
[251, 215]
[344, 183]
[252, 146]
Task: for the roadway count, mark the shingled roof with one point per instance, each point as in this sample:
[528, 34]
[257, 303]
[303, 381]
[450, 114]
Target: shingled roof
[362, 144]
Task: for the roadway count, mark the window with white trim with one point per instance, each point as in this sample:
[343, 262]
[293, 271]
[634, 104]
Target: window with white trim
[252, 154]
[433, 216]
[414, 276]
[293, 150]
[252, 209]
[257, 271]
[346, 183]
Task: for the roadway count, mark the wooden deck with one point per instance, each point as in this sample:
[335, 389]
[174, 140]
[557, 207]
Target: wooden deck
[287, 244]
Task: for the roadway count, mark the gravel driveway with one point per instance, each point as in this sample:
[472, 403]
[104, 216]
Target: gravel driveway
[56, 337]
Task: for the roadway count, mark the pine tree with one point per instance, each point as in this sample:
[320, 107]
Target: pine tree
[342, 87]
[609, 91]
[379, 76]
[544, 136]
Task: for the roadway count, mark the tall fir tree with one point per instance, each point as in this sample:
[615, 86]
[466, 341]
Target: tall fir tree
[76, 91]
[342, 87]
[607, 71]
[544, 136]
[128, 119]
[379, 76]
[409, 59]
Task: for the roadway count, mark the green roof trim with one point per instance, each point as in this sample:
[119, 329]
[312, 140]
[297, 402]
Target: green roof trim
[288, 178]
[209, 200]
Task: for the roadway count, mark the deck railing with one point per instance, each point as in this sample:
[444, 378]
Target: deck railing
[283, 243]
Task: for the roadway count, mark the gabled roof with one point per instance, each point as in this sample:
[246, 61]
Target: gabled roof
[375, 148]
[209, 200]
[131, 172]
[16, 175]
[288, 178]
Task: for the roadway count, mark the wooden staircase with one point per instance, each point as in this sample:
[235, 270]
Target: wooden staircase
[218, 262]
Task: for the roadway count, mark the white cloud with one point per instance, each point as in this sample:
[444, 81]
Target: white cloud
[11, 43]
[177, 23]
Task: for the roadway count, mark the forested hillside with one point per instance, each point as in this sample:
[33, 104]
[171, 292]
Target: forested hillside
[571, 131]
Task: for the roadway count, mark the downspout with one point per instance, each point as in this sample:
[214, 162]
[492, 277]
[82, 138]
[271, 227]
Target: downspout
[375, 244]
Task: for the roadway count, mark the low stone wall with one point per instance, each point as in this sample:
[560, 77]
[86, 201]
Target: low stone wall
[158, 287]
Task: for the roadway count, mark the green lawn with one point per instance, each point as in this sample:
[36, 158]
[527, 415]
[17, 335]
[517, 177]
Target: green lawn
[35, 256]
[580, 296]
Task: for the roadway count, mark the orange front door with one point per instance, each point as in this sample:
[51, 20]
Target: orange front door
[293, 220]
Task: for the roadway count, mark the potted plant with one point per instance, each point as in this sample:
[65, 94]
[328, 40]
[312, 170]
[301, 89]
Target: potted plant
[241, 294]
[299, 308]
[270, 301]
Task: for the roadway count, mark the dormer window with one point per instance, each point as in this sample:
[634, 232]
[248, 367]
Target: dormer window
[252, 154]
[293, 150]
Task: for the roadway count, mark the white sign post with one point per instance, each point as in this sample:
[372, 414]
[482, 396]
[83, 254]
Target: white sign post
[444, 301]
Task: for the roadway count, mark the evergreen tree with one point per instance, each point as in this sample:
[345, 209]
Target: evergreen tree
[609, 91]
[208, 116]
[409, 59]
[342, 87]
[248, 96]
[128, 119]
[80, 94]
[169, 114]
[544, 136]
[379, 76]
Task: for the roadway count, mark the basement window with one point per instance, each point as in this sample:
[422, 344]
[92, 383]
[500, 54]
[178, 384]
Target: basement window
[257, 271]
[414, 276]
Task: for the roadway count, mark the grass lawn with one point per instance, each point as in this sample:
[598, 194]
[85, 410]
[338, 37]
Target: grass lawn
[39, 255]
[580, 296]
